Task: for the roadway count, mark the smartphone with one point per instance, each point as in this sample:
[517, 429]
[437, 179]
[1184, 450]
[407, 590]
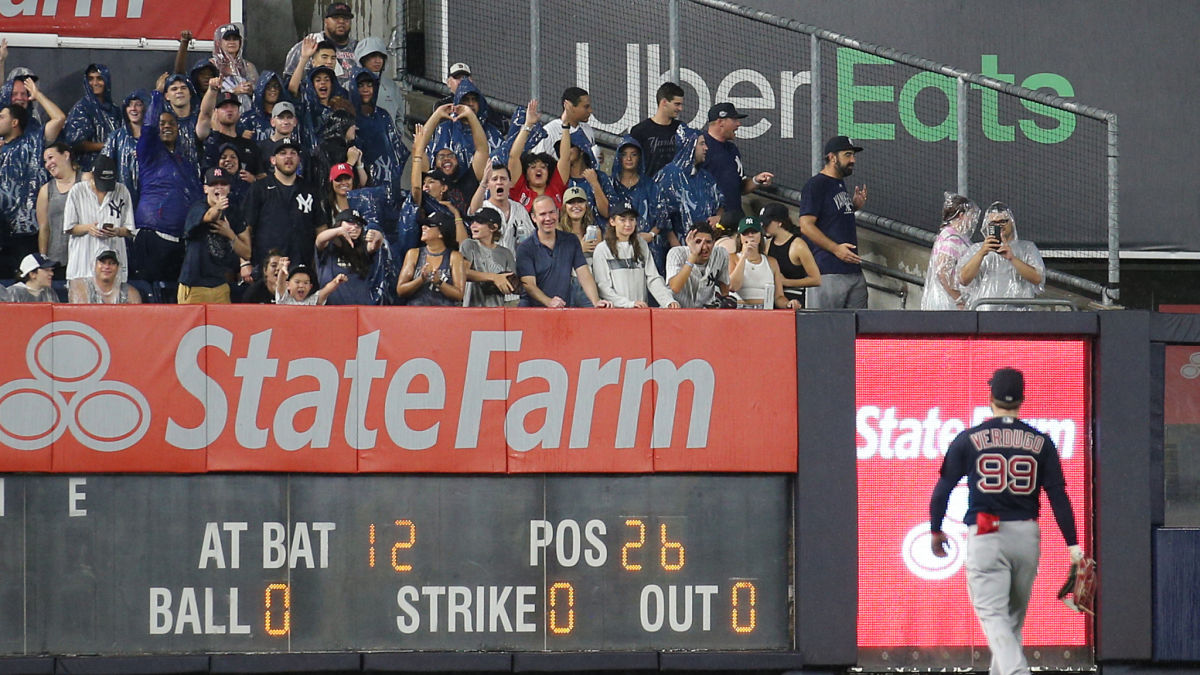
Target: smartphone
[996, 229]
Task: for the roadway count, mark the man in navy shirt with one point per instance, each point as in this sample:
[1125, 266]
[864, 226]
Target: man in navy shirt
[724, 161]
[1007, 463]
[827, 223]
[545, 262]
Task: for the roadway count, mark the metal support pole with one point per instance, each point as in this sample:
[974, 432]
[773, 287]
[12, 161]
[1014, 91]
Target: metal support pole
[814, 88]
[535, 49]
[673, 39]
[399, 49]
[961, 135]
[1113, 292]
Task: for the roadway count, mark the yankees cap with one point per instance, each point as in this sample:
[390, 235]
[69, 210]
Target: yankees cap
[723, 111]
[216, 175]
[284, 144]
[1008, 385]
[840, 143]
[104, 173]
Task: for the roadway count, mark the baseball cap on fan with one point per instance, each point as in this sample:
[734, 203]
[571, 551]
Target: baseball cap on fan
[840, 143]
[1008, 385]
[723, 111]
[104, 173]
[35, 261]
[460, 69]
[339, 9]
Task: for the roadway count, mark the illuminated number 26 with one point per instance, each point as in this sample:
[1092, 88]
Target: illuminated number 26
[671, 556]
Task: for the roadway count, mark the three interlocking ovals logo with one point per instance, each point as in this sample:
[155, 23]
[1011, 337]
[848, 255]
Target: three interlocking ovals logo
[1191, 369]
[918, 555]
[68, 392]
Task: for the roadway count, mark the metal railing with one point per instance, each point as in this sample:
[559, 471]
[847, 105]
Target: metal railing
[1095, 167]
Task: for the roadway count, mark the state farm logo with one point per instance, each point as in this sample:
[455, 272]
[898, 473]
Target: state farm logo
[884, 433]
[918, 554]
[68, 392]
[1191, 369]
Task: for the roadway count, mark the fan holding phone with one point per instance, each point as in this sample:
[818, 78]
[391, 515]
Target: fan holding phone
[1002, 265]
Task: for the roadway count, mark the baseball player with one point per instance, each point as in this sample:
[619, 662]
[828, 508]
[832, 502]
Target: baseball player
[1006, 462]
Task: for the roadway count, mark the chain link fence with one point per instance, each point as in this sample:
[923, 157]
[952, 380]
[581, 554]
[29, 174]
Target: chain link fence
[927, 127]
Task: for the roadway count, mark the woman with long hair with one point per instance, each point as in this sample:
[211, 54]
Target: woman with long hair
[796, 263]
[348, 248]
[577, 217]
[751, 272]
[624, 270]
[434, 274]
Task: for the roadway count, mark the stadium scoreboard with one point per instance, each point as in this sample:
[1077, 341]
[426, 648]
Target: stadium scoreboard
[174, 564]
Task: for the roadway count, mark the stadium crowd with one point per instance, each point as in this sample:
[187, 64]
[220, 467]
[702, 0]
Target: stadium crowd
[224, 183]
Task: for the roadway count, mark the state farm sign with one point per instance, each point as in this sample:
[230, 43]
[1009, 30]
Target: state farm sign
[377, 389]
[914, 395]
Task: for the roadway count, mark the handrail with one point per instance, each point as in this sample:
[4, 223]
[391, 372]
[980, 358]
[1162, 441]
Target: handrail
[1035, 302]
[918, 235]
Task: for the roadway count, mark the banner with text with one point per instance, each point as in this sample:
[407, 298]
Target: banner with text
[152, 19]
[344, 390]
[913, 397]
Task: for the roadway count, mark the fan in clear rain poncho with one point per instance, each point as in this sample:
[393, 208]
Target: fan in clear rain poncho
[1001, 266]
[942, 290]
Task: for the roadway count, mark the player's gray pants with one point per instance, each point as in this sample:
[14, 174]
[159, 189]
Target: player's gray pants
[1001, 566]
[838, 291]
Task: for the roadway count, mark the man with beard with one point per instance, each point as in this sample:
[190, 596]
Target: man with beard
[460, 180]
[827, 223]
[284, 124]
[336, 30]
[281, 210]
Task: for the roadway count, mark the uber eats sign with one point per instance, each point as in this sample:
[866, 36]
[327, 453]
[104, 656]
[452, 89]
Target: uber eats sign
[1043, 125]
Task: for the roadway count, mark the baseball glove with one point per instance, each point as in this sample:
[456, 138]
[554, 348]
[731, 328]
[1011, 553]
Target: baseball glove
[1080, 587]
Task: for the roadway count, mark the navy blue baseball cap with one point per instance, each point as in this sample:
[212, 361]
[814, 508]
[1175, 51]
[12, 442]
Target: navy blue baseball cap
[724, 111]
[621, 207]
[284, 144]
[228, 98]
[1008, 385]
[488, 215]
[840, 143]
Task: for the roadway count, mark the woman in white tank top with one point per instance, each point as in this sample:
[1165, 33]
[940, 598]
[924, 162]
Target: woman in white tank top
[751, 272]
